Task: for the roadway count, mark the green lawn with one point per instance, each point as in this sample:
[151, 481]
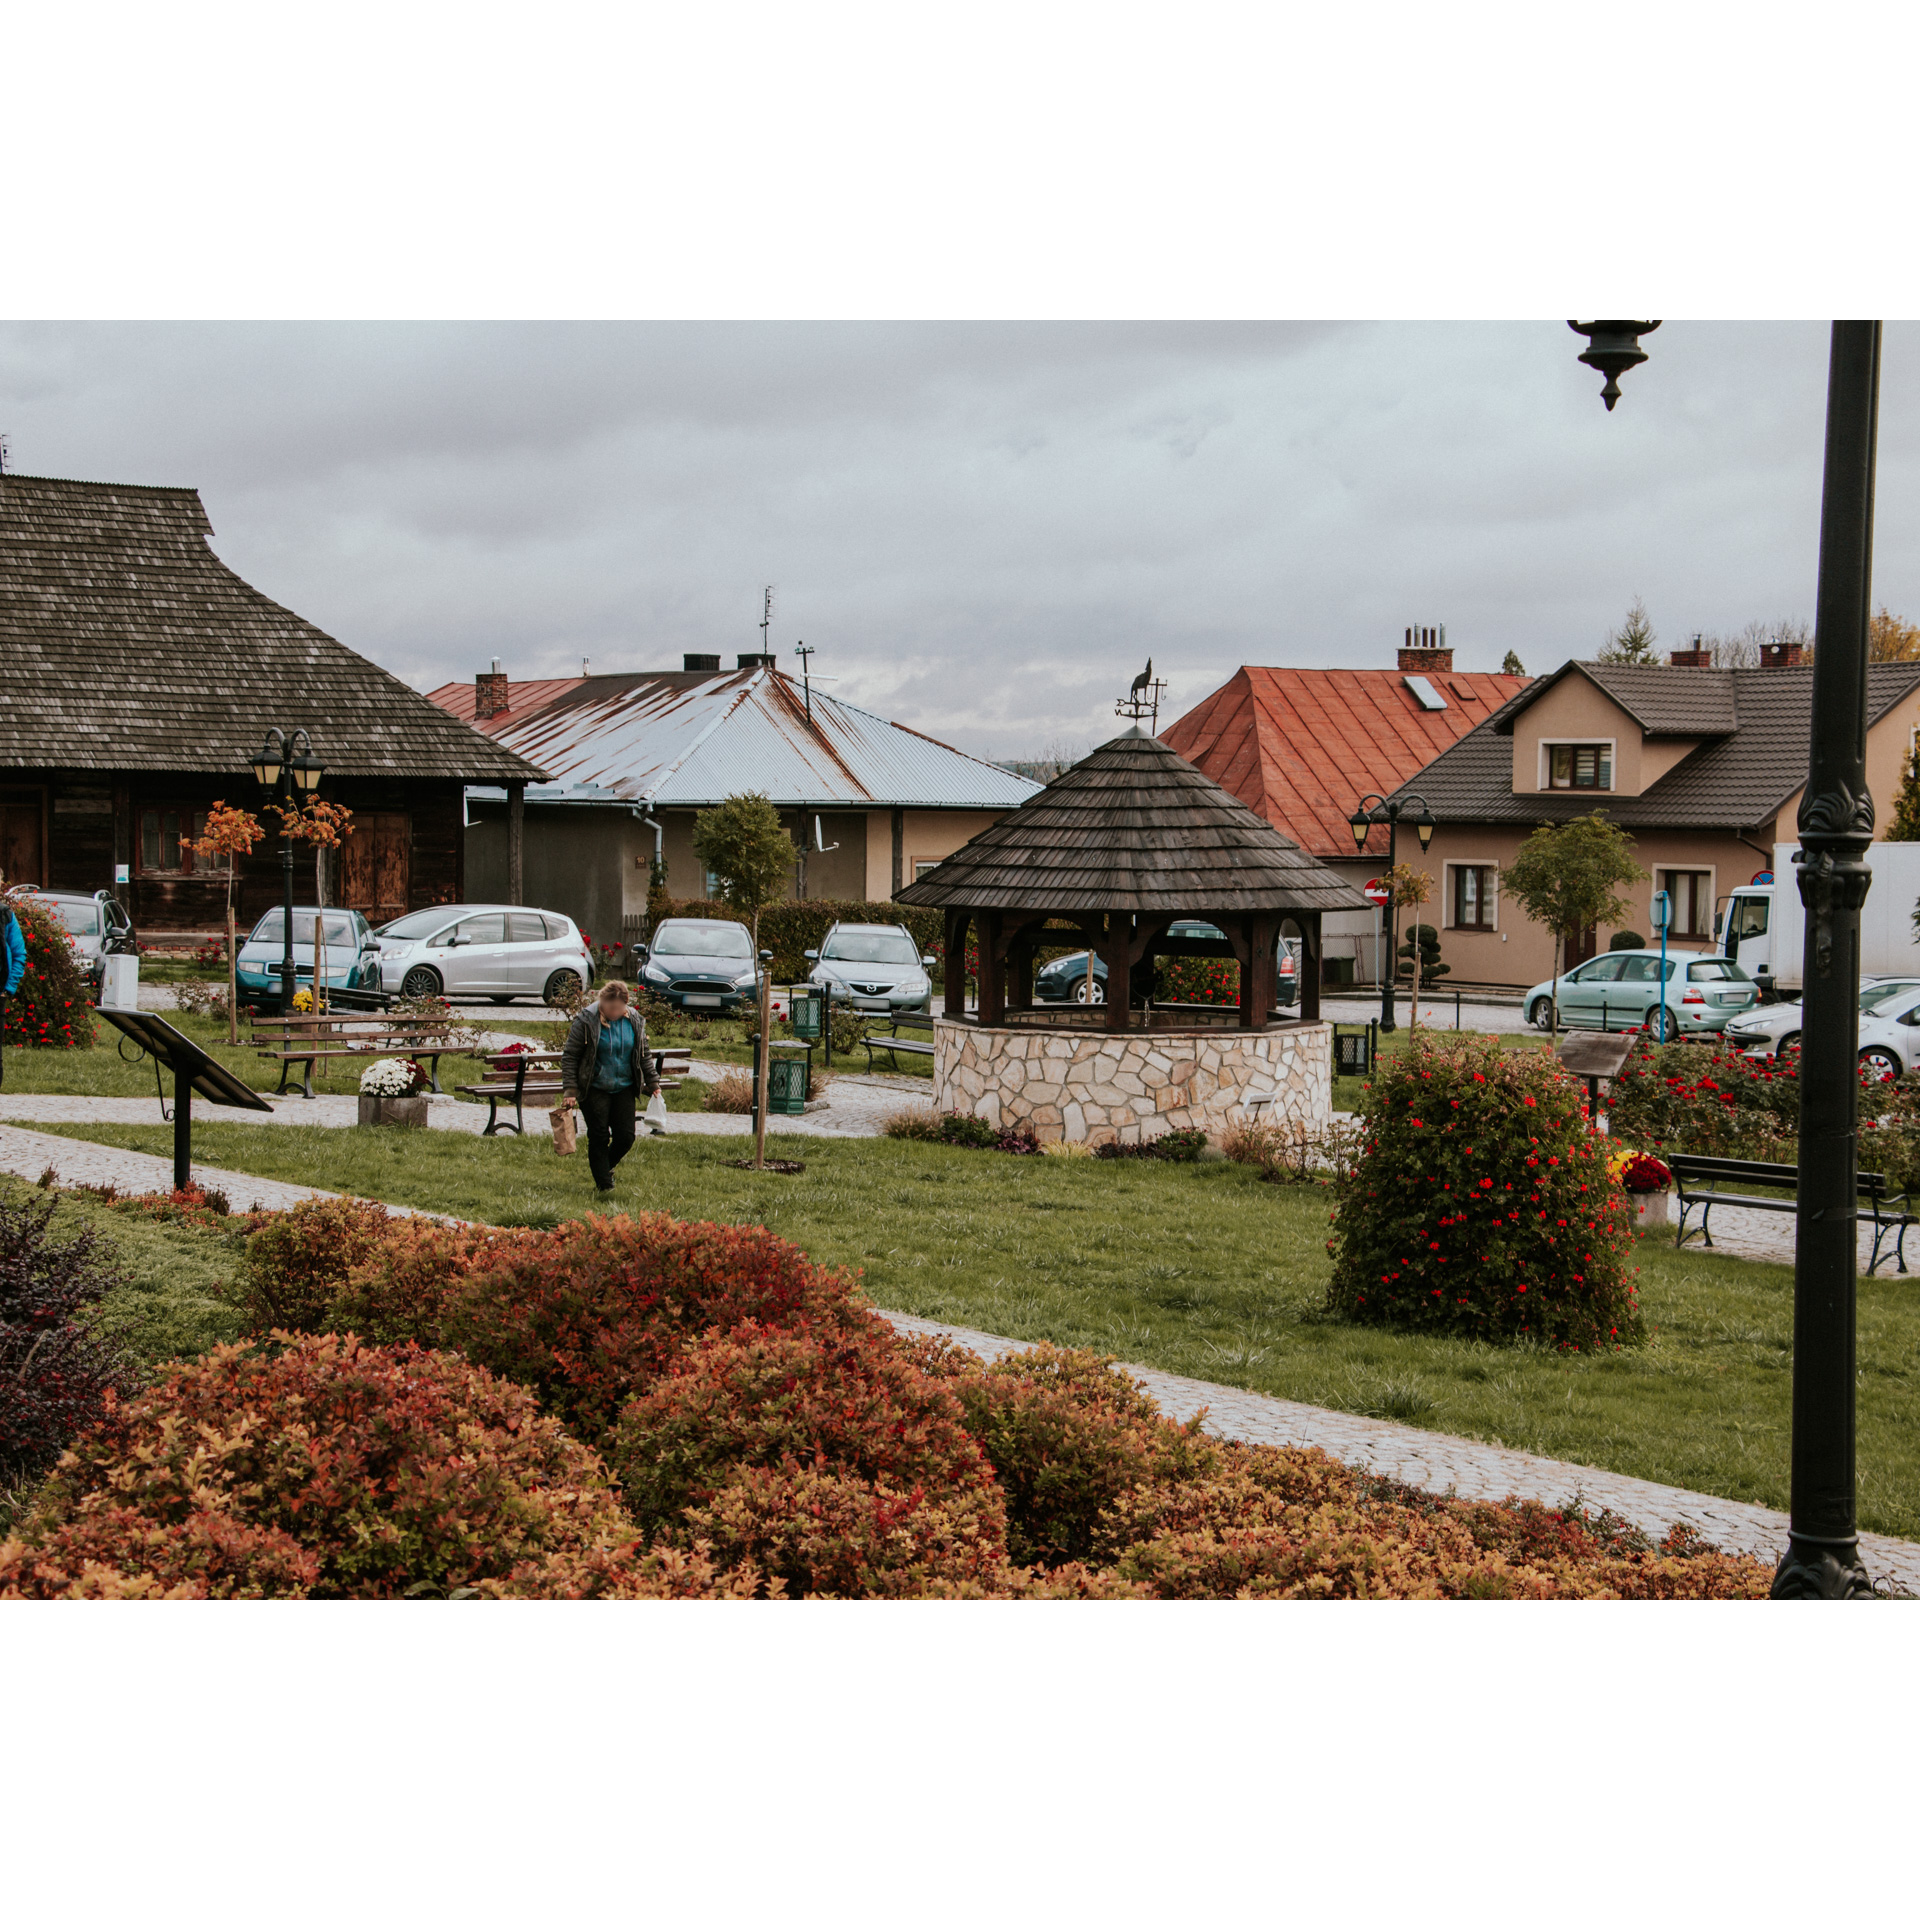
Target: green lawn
[1202, 1270]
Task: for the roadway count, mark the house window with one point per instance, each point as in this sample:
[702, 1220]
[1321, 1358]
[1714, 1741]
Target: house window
[921, 868]
[1580, 766]
[1692, 897]
[1473, 897]
[161, 829]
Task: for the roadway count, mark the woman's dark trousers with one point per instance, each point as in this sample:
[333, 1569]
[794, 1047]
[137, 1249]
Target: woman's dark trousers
[609, 1131]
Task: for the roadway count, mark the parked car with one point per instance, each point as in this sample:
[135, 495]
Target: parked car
[1773, 1029]
[1066, 978]
[707, 965]
[97, 923]
[352, 955]
[496, 953]
[873, 969]
[1890, 1034]
[1622, 990]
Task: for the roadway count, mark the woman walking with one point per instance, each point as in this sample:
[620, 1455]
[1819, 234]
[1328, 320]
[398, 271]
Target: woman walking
[604, 1068]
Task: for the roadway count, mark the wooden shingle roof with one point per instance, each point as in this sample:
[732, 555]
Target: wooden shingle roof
[125, 643]
[1133, 828]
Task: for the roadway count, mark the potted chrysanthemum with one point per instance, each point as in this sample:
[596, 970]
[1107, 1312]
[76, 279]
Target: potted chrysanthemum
[393, 1094]
[1645, 1178]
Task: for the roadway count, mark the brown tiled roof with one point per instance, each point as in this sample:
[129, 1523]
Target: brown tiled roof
[1301, 745]
[1689, 701]
[125, 643]
[1734, 781]
[1134, 828]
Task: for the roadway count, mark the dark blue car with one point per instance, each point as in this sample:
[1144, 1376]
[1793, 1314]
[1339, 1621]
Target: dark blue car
[1065, 979]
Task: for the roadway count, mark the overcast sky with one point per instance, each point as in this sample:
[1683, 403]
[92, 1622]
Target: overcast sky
[984, 530]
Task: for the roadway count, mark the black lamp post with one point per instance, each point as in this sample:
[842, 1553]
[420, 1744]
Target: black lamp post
[1374, 811]
[1822, 1561]
[287, 767]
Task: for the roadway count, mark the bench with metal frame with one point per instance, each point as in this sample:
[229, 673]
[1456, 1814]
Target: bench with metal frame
[535, 1076]
[894, 1044]
[1697, 1182]
[363, 1034]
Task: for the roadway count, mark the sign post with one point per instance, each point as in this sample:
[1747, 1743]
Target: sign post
[1662, 920]
[1379, 893]
[192, 1067]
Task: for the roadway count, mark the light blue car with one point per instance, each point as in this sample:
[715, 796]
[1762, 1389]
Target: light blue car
[352, 955]
[1618, 991]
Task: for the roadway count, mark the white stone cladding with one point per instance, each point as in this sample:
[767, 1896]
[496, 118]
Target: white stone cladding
[1130, 1087]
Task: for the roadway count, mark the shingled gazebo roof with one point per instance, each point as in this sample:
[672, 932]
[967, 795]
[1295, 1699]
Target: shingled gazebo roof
[1133, 828]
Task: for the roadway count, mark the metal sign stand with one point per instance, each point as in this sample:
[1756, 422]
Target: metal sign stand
[192, 1067]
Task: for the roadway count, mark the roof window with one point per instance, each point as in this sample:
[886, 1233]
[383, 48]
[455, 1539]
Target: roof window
[1463, 689]
[1425, 692]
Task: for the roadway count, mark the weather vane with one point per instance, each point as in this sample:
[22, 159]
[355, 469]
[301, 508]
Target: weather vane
[1143, 698]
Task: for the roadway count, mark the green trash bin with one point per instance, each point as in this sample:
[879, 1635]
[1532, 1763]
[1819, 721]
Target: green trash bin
[789, 1070]
[806, 1015]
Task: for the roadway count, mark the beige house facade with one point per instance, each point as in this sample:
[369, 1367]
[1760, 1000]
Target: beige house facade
[1704, 768]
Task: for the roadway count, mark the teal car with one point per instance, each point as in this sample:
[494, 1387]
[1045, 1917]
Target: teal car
[351, 955]
[1620, 990]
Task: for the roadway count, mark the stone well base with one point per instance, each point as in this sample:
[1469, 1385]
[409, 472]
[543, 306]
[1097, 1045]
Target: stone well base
[1131, 1087]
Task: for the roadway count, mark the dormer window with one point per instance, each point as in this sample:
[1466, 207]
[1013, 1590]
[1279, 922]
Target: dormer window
[1581, 766]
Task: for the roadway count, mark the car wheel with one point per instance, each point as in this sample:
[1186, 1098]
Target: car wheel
[1787, 1040]
[1881, 1063]
[1541, 1014]
[1090, 993]
[1662, 1024]
[419, 982]
[556, 985]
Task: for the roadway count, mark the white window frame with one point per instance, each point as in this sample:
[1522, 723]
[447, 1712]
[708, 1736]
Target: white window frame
[1579, 740]
[1713, 898]
[1447, 895]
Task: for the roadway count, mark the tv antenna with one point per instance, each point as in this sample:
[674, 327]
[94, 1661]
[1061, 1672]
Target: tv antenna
[766, 620]
[6, 454]
[1143, 698]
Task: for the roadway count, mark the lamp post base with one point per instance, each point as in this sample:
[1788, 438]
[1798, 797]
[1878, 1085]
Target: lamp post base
[1821, 1570]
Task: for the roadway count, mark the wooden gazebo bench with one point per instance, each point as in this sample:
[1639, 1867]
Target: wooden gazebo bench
[533, 1080]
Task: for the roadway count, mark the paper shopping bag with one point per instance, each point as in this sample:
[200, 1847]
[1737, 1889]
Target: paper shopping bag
[656, 1114]
[561, 1120]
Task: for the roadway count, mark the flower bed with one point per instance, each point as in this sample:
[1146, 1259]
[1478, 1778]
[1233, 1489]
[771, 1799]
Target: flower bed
[393, 1079]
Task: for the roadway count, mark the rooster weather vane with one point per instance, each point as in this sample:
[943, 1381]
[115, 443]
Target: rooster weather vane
[1143, 699]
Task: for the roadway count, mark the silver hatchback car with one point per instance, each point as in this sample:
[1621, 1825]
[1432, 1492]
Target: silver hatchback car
[495, 953]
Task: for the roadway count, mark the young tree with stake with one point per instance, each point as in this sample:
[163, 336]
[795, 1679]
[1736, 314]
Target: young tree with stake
[229, 837]
[749, 858]
[1568, 879]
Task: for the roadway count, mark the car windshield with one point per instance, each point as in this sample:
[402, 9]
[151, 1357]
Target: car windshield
[271, 932]
[81, 916]
[704, 939]
[416, 926]
[888, 945]
[1714, 970]
[1871, 997]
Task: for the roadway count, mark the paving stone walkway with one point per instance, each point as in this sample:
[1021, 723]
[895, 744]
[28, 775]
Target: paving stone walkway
[1440, 1462]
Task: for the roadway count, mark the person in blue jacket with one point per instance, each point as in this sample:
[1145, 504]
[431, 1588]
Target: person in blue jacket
[13, 959]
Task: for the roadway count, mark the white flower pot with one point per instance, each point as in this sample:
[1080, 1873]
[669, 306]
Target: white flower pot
[393, 1110]
[1654, 1210]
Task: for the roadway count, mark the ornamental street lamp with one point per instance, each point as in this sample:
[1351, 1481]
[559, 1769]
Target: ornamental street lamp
[1822, 1560]
[287, 767]
[1374, 811]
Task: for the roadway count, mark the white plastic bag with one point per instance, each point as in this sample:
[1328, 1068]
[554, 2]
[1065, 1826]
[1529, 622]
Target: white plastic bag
[655, 1116]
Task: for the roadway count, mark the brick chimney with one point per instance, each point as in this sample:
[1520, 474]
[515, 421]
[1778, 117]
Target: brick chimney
[1691, 657]
[489, 692]
[1426, 651]
[1782, 653]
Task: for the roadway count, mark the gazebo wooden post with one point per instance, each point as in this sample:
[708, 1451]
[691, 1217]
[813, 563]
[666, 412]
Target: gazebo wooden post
[1308, 984]
[1247, 951]
[1020, 968]
[993, 972]
[1117, 951]
[954, 993]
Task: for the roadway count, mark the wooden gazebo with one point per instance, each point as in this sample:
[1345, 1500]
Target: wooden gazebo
[1119, 847]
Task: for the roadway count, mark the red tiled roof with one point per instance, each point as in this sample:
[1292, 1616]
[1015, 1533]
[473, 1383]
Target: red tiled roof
[459, 698]
[1300, 745]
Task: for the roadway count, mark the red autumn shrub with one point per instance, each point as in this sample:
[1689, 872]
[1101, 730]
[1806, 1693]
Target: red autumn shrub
[1479, 1203]
[58, 1366]
[703, 1454]
[298, 1262]
[1066, 1433]
[398, 1289]
[328, 1468]
[596, 1310]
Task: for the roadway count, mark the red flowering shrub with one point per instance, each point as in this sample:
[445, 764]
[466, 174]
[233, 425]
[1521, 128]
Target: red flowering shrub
[748, 1408]
[1479, 1203]
[1196, 982]
[596, 1310]
[300, 1260]
[330, 1469]
[58, 1369]
[49, 1009]
[398, 1288]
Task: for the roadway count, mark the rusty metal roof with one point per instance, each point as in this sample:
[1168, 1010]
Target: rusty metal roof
[691, 739]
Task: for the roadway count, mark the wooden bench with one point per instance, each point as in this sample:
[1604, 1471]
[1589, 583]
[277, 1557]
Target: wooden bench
[533, 1079]
[307, 1037]
[894, 1044]
[1698, 1178]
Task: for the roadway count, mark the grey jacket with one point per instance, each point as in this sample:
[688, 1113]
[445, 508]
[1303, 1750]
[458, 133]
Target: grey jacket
[580, 1058]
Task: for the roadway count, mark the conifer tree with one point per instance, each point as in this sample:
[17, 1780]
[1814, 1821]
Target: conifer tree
[1905, 824]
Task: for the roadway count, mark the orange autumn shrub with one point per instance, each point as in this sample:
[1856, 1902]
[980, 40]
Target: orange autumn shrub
[300, 1259]
[398, 1289]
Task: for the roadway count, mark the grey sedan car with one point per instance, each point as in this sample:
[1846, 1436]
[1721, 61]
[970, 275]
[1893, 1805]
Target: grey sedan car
[707, 965]
[873, 969]
[496, 953]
